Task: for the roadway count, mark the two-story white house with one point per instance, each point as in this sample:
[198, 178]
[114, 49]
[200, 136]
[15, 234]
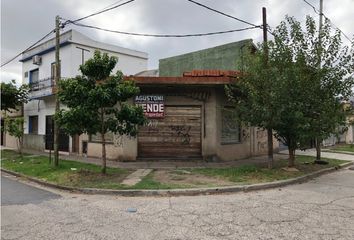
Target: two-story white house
[38, 69]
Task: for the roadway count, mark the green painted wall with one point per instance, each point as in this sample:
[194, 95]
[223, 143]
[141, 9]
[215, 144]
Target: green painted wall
[224, 57]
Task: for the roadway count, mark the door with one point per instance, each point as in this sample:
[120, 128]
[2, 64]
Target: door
[75, 143]
[177, 135]
[49, 139]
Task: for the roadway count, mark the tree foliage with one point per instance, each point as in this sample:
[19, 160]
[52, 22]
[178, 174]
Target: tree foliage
[299, 92]
[13, 96]
[97, 102]
[14, 126]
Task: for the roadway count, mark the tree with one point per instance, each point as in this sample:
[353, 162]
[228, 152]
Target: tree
[14, 126]
[292, 95]
[328, 64]
[253, 95]
[97, 102]
[325, 63]
[12, 96]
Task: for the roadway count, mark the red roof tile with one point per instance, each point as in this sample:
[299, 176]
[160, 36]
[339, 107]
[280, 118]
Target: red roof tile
[194, 77]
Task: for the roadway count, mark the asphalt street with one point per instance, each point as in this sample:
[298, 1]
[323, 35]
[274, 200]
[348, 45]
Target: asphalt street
[16, 193]
[319, 209]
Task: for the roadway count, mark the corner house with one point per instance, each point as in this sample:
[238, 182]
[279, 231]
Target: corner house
[188, 112]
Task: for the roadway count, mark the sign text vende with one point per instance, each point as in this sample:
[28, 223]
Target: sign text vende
[153, 105]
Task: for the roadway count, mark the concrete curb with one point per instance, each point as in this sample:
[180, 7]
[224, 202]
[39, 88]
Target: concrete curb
[339, 152]
[188, 191]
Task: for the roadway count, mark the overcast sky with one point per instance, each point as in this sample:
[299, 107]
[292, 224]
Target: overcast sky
[23, 22]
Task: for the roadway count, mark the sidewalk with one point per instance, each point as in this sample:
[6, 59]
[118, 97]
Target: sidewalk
[172, 164]
[324, 154]
[165, 164]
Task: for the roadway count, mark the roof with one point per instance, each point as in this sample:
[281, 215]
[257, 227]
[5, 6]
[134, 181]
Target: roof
[195, 77]
[73, 36]
[211, 73]
[148, 73]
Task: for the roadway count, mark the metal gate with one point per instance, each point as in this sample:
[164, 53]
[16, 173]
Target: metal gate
[49, 136]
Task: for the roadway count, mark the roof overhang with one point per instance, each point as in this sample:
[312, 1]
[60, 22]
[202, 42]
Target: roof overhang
[182, 80]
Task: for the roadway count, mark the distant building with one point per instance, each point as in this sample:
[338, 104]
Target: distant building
[6, 139]
[345, 134]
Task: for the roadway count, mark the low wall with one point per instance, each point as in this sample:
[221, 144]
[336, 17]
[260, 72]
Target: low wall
[33, 141]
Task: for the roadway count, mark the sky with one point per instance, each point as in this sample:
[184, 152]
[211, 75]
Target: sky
[23, 22]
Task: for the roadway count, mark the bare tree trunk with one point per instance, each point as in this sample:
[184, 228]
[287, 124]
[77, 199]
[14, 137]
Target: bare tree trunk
[103, 143]
[20, 139]
[20, 144]
[270, 148]
[291, 162]
[318, 149]
[19, 147]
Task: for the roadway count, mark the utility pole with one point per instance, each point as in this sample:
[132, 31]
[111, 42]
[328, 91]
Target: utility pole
[265, 45]
[321, 16]
[318, 141]
[57, 78]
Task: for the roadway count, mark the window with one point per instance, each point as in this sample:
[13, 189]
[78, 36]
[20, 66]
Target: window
[34, 76]
[33, 124]
[34, 80]
[230, 126]
[53, 70]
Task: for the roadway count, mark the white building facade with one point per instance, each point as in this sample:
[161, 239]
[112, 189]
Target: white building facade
[38, 70]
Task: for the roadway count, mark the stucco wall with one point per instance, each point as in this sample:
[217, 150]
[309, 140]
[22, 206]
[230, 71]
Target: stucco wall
[349, 137]
[129, 65]
[95, 150]
[10, 141]
[122, 150]
[71, 58]
[128, 151]
[222, 57]
[253, 140]
[33, 141]
[349, 134]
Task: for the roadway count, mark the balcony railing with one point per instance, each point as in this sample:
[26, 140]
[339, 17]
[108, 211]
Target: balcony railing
[42, 84]
[41, 88]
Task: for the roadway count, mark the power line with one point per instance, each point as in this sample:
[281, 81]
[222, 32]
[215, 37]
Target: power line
[327, 18]
[224, 14]
[165, 35]
[99, 12]
[312, 6]
[345, 35]
[34, 44]
[110, 5]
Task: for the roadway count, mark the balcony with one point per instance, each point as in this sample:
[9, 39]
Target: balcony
[42, 88]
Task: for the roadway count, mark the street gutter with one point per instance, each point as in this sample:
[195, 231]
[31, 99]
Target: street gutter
[186, 191]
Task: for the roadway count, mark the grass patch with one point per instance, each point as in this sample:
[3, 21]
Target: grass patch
[149, 182]
[88, 175]
[85, 175]
[249, 174]
[344, 148]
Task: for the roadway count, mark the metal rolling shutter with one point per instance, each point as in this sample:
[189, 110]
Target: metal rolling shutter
[177, 135]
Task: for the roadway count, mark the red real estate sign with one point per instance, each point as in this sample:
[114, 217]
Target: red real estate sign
[153, 105]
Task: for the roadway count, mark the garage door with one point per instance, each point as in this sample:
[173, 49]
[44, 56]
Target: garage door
[177, 135]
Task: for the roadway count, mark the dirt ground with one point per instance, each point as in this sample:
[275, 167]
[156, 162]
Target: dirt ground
[184, 177]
